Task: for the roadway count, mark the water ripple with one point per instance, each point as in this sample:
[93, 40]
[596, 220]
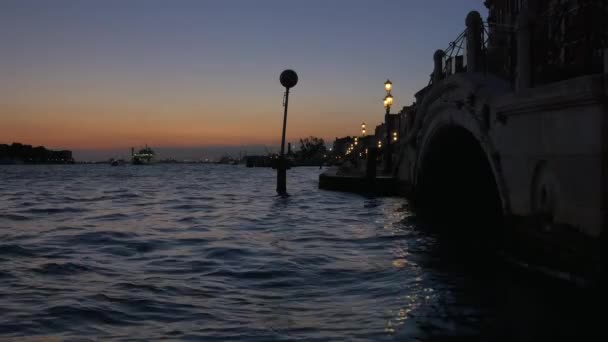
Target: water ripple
[68, 268]
[14, 217]
[92, 252]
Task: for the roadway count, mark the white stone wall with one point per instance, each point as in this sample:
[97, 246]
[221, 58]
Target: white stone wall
[548, 141]
[558, 126]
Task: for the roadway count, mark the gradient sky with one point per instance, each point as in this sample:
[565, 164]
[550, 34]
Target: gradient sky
[107, 75]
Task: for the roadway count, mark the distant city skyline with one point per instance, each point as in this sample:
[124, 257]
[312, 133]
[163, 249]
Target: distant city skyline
[98, 77]
[194, 153]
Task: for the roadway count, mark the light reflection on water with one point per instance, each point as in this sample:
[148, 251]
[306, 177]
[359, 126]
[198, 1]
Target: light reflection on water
[209, 252]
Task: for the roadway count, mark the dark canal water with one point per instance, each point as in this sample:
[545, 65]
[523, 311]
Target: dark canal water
[208, 252]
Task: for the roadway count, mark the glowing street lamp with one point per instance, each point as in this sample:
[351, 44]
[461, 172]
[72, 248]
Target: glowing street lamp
[394, 136]
[388, 102]
[388, 85]
[363, 129]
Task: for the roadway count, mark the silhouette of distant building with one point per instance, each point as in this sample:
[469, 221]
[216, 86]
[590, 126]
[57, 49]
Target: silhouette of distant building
[17, 153]
[341, 145]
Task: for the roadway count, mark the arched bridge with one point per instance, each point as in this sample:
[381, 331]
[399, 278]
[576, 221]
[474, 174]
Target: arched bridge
[535, 157]
[499, 147]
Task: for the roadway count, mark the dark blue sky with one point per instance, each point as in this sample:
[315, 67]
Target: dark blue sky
[199, 73]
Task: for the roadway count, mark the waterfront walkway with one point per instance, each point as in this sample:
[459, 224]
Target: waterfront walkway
[355, 180]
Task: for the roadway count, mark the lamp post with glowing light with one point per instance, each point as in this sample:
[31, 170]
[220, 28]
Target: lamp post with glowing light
[288, 79]
[388, 102]
[363, 129]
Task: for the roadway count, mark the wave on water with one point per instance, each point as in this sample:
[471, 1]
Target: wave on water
[14, 217]
[209, 252]
[53, 269]
[51, 211]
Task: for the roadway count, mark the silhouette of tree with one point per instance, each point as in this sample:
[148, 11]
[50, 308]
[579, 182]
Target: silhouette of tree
[312, 147]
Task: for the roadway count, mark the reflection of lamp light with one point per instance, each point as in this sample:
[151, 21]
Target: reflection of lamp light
[394, 136]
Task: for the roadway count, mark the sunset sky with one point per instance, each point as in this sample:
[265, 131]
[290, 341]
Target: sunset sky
[105, 75]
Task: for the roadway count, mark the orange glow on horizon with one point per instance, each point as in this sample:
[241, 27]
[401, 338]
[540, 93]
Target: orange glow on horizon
[115, 117]
[95, 131]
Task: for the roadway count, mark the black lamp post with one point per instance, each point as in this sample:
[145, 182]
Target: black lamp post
[388, 102]
[288, 79]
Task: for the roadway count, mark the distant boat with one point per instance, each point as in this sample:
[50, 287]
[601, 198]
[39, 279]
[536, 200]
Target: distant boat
[227, 160]
[143, 156]
[116, 162]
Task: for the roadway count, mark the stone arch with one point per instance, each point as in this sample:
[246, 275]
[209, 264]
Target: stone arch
[455, 178]
[460, 102]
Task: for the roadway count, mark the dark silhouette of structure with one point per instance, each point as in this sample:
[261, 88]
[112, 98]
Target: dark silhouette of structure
[340, 145]
[388, 151]
[17, 153]
[288, 79]
[564, 39]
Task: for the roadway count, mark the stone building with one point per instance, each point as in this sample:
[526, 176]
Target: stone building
[519, 134]
[507, 144]
[567, 37]
[340, 145]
